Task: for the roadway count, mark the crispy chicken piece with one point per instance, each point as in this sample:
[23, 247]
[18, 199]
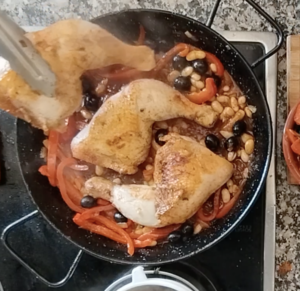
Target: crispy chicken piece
[185, 175]
[119, 135]
[70, 47]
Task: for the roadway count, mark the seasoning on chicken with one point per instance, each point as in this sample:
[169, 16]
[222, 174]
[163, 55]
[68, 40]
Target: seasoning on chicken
[70, 47]
[185, 175]
[119, 135]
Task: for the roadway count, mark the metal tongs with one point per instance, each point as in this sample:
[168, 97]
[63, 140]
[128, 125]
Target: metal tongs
[24, 58]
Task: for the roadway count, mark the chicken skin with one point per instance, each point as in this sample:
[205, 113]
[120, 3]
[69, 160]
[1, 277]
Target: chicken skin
[119, 135]
[185, 175]
[70, 47]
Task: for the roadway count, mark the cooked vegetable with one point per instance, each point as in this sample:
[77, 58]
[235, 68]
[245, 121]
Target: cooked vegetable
[51, 157]
[138, 106]
[239, 127]
[212, 59]
[88, 201]
[296, 146]
[179, 63]
[203, 216]
[187, 229]
[217, 80]
[203, 96]
[174, 236]
[119, 217]
[91, 102]
[212, 142]
[182, 83]
[200, 66]
[293, 136]
[232, 143]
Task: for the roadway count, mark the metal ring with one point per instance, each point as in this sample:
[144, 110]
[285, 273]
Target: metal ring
[4, 238]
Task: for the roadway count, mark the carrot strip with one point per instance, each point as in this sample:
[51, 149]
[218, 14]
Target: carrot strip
[212, 216]
[62, 184]
[60, 154]
[99, 229]
[71, 129]
[293, 135]
[74, 194]
[114, 226]
[150, 236]
[133, 234]
[102, 202]
[145, 243]
[51, 156]
[44, 170]
[296, 147]
[92, 212]
[142, 34]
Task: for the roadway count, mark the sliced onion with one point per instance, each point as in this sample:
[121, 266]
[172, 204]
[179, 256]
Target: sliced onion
[79, 167]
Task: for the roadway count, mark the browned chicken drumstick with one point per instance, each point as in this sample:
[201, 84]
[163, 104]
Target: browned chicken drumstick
[119, 135]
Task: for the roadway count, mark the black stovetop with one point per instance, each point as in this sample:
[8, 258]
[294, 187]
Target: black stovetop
[235, 264]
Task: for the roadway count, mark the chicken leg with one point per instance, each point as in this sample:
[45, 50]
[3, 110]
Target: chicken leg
[185, 175]
[70, 47]
[119, 135]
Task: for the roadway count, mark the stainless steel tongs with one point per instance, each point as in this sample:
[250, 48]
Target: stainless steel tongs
[23, 57]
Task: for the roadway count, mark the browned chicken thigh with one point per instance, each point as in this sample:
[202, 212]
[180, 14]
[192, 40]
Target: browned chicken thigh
[119, 135]
[185, 175]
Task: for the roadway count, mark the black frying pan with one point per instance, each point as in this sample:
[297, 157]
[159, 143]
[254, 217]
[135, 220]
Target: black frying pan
[163, 30]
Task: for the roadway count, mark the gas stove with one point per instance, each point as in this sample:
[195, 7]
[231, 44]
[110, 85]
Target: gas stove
[245, 260]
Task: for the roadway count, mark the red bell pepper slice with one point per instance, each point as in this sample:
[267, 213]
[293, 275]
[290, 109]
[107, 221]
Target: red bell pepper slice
[296, 147]
[211, 58]
[292, 135]
[297, 115]
[203, 96]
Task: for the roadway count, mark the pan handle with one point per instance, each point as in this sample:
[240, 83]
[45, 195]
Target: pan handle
[4, 238]
[280, 37]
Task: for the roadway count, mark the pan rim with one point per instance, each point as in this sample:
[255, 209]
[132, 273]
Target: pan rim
[250, 202]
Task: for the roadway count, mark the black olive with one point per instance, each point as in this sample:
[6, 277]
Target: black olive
[182, 83]
[200, 66]
[86, 85]
[119, 217]
[212, 142]
[239, 127]
[217, 80]
[186, 238]
[179, 63]
[88, 201]
[187, 230]
[297, 128]
[232, 143]
[174, 236]
[160, 133]
[91, 102]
